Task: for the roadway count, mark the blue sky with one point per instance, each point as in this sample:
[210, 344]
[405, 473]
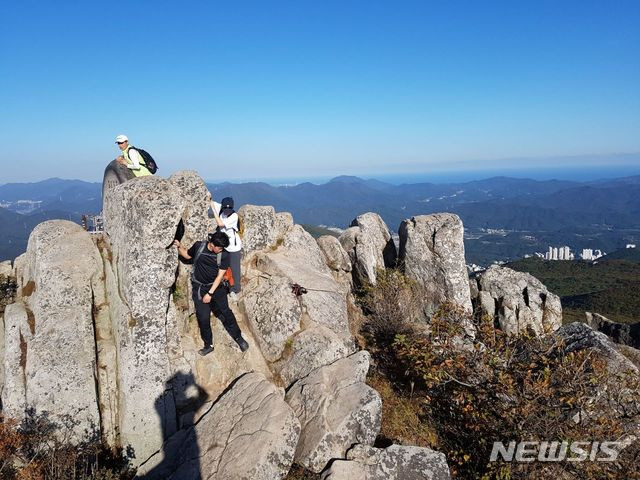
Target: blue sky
[253, 90]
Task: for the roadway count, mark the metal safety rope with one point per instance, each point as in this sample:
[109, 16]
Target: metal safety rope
[298, 290]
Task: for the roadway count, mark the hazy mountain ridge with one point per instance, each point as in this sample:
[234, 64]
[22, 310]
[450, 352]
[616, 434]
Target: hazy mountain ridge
[552, 210]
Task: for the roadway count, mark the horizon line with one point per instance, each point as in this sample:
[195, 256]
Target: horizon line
[483, 174]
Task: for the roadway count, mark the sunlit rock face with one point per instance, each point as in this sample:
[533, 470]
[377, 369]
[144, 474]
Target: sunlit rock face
[369, 246]
[99, 328]
[518, 301]
[432, 253]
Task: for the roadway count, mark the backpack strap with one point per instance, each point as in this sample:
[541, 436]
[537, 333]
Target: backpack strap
[235, 229]
[144, 161]
[195, 260]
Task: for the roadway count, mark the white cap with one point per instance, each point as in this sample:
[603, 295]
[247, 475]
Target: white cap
[121, 138]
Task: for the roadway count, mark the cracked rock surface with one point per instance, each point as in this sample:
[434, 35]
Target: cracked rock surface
[55, 369]
[432, 253]
[518, 300]
[336, 410]
[396, 462]
[578, 336]
[369, 246]
[249, 433]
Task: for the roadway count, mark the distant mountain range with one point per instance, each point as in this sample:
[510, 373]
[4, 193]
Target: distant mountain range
[603, 214]
[499, 202]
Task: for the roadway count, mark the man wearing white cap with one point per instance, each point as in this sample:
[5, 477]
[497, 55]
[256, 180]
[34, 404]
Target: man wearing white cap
[130, 157]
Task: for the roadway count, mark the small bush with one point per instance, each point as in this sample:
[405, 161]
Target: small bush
[521, 388]
[395, 305]
[402, 416]
[38, 449]
[458, 395]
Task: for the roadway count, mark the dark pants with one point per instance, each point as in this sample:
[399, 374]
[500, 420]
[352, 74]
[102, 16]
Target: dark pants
[235, 259]
[220, 308]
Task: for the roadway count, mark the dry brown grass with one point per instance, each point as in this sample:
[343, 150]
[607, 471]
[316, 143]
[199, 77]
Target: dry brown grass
[401, 422]
[300, 473]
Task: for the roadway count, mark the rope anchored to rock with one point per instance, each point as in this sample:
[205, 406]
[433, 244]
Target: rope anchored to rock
[297, 289]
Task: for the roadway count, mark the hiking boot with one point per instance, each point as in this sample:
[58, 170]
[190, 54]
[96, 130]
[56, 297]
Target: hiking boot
[206, 350]
[242, 343]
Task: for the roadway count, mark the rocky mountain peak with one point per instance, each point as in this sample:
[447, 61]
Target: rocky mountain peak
[100, 328]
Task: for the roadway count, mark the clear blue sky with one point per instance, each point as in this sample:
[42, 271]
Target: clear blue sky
[257, 89]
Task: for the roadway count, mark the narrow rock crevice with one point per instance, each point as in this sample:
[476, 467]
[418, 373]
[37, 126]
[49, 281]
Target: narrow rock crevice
[525, 295]
[496, 311]
[94, 315]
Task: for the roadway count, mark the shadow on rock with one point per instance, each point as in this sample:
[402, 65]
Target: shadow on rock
[183, 445]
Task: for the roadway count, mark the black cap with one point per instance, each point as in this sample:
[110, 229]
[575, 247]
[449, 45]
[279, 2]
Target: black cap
[227, 202]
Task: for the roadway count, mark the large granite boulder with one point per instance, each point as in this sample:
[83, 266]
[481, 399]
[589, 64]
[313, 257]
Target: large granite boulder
[196, 202]
[578, 336]
[310, 349]
[336, 257]
[325, 302]
[141, 217]
[263, 227]
[370, 247]
[336, 409]
[518, 301]
[249, 433]
[8, 289]
[396, 462]
[297, 333]
[432, 253]
[57, 353]
[624, 333]
[17, 333]
[274, 312]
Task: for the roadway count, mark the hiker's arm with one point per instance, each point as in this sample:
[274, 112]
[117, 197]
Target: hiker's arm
[181, 250]
[135, 158]
[215, 284]
[215, 207]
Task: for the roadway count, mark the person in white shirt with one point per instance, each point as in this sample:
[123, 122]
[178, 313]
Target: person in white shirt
[227, 221]
[130, 157]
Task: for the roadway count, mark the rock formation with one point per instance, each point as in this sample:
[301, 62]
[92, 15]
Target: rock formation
[624, 333]
[8, 288]
[50, 349]
[578, 336]
[370, 247]
[518, 301]
[336, 410]
[100, 330]
[392, 463]
[336, 258]
[432, 252]
[252, 413]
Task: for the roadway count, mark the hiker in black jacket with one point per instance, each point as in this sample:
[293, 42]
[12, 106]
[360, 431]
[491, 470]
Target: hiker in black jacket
[210, 261]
